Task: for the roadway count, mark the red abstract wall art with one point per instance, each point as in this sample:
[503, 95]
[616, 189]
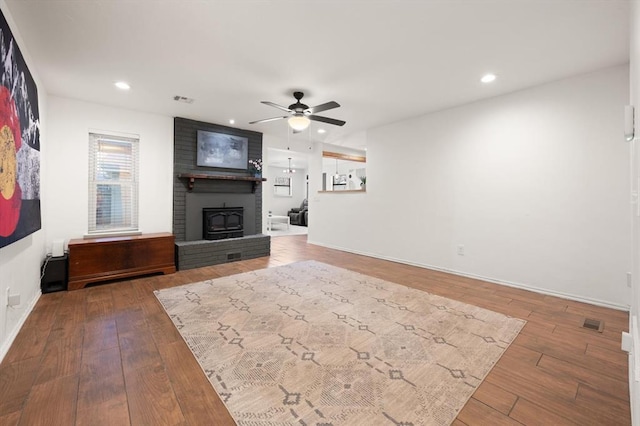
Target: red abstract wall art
[19, 143]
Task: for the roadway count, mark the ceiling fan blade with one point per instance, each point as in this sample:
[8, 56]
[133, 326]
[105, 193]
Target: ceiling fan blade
[268, 119]
[276, 106]
[327, 120]
[322, 107]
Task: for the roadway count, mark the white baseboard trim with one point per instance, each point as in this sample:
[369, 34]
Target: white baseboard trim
[14, 333]
[548, 292]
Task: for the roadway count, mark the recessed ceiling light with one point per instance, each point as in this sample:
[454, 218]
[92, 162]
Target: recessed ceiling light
[122, 85]
[232, 121]
[488, 78]
[322, 131]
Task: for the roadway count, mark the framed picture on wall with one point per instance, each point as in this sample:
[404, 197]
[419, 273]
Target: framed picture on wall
[282, 186]
[283, 181]
[222, 150]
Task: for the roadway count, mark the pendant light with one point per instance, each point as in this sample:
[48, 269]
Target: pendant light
[289, 170]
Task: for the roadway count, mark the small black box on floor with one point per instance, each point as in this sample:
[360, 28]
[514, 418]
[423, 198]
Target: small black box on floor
[54, 274]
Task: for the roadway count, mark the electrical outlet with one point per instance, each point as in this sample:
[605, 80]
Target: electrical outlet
[629, 281]
[13, 300]
[461, 250]
[6, 297]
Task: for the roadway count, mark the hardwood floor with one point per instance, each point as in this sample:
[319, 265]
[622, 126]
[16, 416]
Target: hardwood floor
[109, 355]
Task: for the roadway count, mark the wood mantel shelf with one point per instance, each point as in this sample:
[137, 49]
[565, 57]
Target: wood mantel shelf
[193, 176]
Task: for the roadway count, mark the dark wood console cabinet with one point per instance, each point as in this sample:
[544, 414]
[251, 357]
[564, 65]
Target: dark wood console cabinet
[100, 259]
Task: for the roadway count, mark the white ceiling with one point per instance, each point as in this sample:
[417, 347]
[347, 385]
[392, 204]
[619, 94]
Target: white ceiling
[280, 158]
[382, 60]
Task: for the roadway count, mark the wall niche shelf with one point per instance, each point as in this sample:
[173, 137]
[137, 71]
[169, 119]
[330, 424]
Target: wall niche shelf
[192, 177]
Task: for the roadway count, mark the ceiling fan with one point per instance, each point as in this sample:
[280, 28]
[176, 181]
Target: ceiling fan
[300, 114]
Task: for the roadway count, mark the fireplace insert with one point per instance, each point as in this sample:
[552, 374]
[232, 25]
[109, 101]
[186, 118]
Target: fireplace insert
[219, 223]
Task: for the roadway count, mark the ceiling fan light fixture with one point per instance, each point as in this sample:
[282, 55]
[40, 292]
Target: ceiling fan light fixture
[299, 122]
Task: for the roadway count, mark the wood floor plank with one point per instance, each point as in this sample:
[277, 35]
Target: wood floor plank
[477, 413]
[100, 334]
[522, 355]
[61, 358]
[616, 356]
[101, 378]
[10, 419]
[99, 292]
[163, 330]
[597, 380]
[495, 397]
[99, 308]
[43, 314]
[531, 414]
[608, 339]
[124, 295]
[534, 307]
[529, 390]
[611, 407]
[151, 398]
[559, 385]
[138, 350]
[552, 345]
[587, 362]
[151, 307]
[52, 403]
[620, 318]
[114, 412]
[130, 320]
[29, 343]
[16, 380]
[538, 329]
[192, 388]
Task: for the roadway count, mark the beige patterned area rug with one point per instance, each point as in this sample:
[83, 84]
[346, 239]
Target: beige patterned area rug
[313, 344]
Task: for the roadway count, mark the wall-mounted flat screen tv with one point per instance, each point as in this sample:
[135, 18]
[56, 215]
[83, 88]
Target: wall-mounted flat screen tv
[222, 150]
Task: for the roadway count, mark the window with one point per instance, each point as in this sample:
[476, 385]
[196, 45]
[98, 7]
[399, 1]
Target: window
[113, 183]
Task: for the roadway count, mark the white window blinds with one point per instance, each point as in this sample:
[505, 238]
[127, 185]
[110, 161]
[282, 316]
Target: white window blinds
[113, 183]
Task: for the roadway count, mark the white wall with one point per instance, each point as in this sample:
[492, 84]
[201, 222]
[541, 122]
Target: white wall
[70, 122]
[20, 261]
[533, 184]
[634, 385]
[280, 205]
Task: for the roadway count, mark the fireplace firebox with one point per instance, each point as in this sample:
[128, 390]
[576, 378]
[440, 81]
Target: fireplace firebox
[219, 223]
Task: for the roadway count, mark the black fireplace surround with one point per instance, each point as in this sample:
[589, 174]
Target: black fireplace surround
[219, 223]
[192, 250]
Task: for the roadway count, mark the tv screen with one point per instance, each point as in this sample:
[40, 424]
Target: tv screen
[222, 150]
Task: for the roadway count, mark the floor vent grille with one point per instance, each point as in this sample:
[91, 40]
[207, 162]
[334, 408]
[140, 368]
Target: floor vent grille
[593, 324]
[234, 256]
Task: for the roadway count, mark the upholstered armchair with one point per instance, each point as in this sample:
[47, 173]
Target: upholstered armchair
[298, 215]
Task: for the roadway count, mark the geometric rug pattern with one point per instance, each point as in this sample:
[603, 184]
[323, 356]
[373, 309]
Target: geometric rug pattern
[314, 344]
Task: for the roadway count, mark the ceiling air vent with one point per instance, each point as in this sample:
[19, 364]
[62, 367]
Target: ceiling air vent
[183, 99]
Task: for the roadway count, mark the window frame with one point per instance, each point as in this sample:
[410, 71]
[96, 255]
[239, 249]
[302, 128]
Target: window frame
[131, 210]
